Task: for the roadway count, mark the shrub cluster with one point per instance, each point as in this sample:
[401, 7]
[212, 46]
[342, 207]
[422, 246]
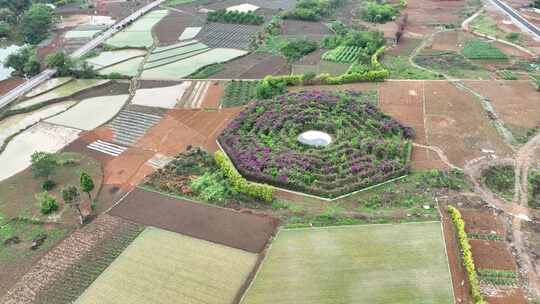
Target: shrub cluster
[369, 147]
[272, 86]
[313, 10]
[240, 184]
[379, 13]
[224, 16]
[468, 261]
[296, 49]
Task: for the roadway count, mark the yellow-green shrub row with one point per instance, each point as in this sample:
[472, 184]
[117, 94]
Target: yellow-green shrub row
[239, 183]
[468, 261]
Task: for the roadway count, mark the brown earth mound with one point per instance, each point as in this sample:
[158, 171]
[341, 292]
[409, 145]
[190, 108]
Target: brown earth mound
[243, 231]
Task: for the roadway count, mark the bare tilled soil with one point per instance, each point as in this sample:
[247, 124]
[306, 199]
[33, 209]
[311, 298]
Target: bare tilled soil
[253, 66]
[492, 255]
[231, 228]
[152, 84]
[509, 99]
[483, 222]
[171, 26]
[51, 267]
[300, 29]
[423, 14]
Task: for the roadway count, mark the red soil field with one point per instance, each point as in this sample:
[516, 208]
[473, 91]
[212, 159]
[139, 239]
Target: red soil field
[219, 225]
[9, 84]
[171, 27]
[484, 222]
[425, 13]
[213, 96]
[460, 136]
[516, 102]
[492, 255]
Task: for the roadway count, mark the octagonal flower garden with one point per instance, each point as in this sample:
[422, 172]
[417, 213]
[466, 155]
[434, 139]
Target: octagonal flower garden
[361, 146]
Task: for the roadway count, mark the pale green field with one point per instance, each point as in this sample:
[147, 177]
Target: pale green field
[139, 34]
[162, 267]
[65, 90]
[176, 52]
[159, 63]
[184, 68]
[109, 58]
[127, 68]
[81, 34]
[48, 85]
[375, 264]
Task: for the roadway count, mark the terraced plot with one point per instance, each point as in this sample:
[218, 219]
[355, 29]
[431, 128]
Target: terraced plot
[189, 33]
[161, 265]
[63, 91]
[165, 97]
[129, 126]
[219, 35]
[48, 85]
[128, 68]
[41, 137]
[14, 124]
[185, 67]
[102, 109]
[106, 59]
[139, 34]
[164, 57]
[376, 264]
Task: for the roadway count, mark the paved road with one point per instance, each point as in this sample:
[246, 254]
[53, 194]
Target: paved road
[517, 17]
[48, 73]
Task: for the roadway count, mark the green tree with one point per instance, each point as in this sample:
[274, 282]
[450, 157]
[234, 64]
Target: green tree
[536, 4]
[8, 16]
[18, 60]
[36, 23]
[61, 62]
[4, 29]
[87, 184]
[47, 203]
[16, 6]
[72, 197]
[43, 165]
[32, 67]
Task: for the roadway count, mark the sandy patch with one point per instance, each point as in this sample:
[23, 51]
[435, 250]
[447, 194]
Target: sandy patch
[48, 85]
[14, 124]
[190, 33]
[166, 97]
[102, 109]
[243, 8]
[41, 137]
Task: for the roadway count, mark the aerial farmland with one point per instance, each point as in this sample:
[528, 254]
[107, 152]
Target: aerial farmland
[270, 151]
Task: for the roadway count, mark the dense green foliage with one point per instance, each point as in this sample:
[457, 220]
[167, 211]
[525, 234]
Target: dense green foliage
[534, 188]
[86, 183]
[313, 10]
[36, 23]
[500, 180]
[224, 16]
[238, 93]
[466, 252]
[296, 49]
[345, 54]
[476, 49]
[24, 62]
[239, 183]
[369, 147]
[47, 203]
[379, 13]
[207, 71]
[43, 164]
[498, 277]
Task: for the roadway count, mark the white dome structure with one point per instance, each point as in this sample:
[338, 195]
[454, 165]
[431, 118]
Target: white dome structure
[315, 138]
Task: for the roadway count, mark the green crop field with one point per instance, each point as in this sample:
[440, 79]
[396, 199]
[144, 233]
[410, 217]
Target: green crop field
[139, 34]
[475, 49]
[166, 267]
[376, 264]
[346, 54]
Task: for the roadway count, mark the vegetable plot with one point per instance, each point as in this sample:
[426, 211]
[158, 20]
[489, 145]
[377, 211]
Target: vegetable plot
[345, 54]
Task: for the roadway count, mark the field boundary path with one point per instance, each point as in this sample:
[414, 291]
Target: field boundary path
[48, 73]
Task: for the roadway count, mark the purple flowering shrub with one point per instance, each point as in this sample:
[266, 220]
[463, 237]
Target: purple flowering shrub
[368, 146]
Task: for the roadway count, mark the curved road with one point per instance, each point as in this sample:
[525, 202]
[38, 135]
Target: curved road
[517, 17]
[48, 73]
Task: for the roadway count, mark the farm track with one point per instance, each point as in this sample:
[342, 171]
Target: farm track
[517, 210]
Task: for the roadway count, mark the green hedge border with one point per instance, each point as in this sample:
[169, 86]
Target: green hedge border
[468, 260]
[240, 184]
